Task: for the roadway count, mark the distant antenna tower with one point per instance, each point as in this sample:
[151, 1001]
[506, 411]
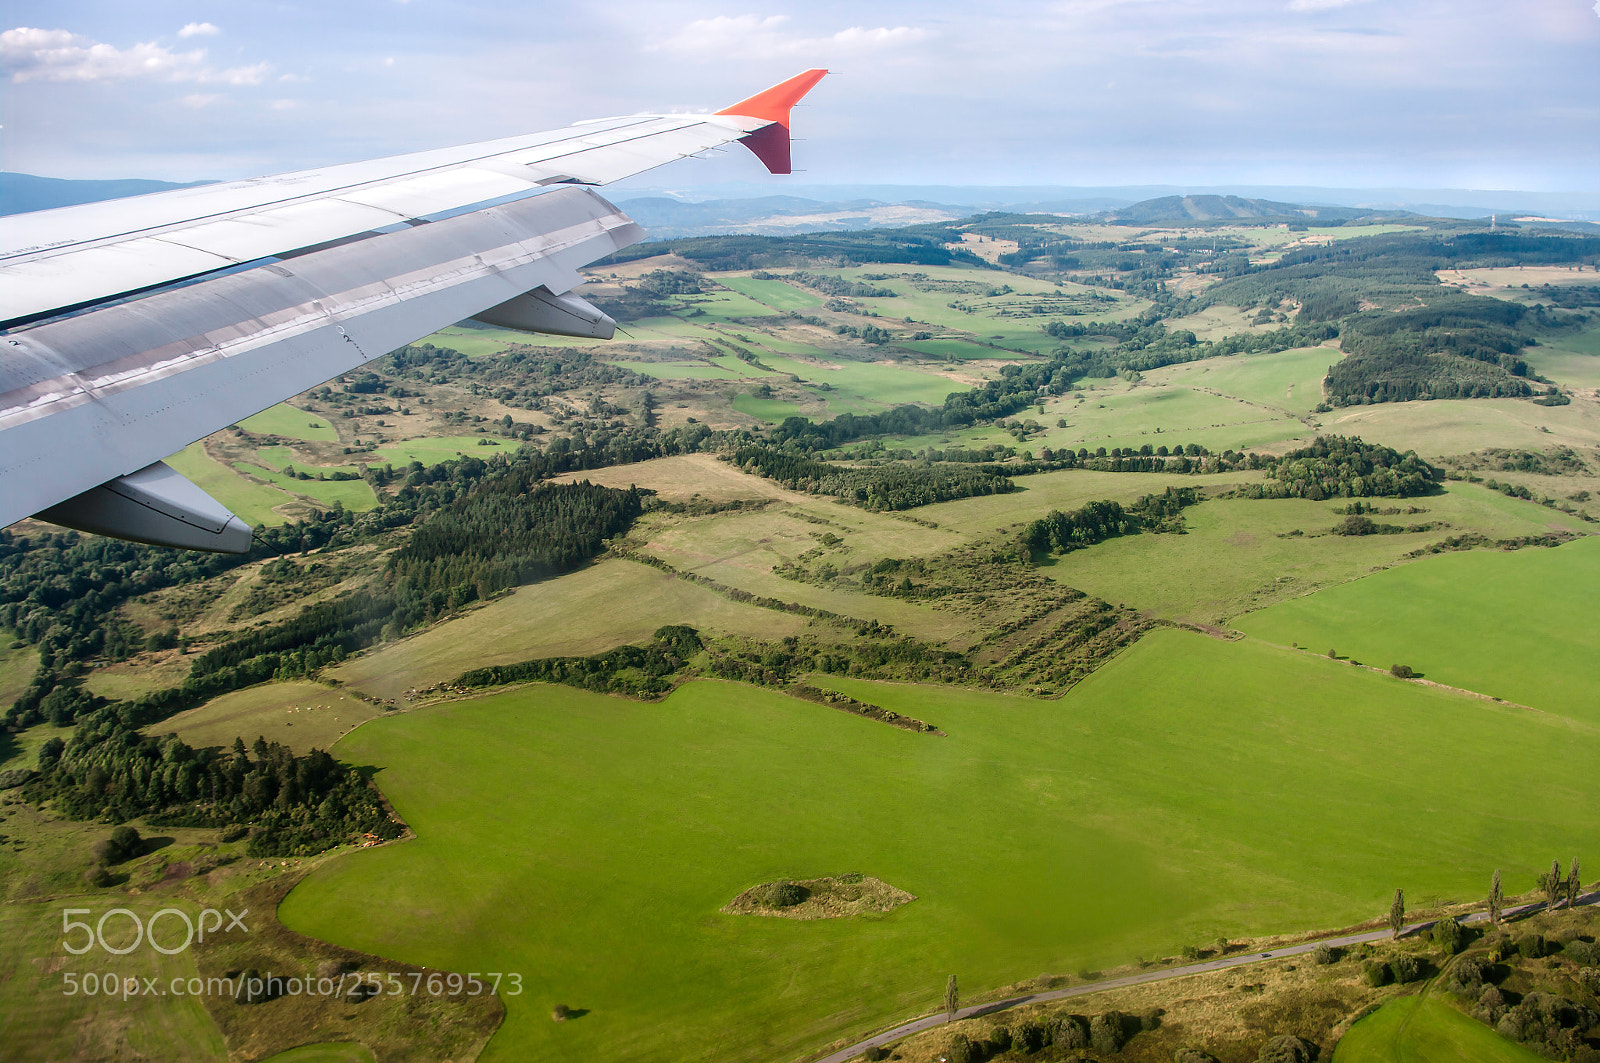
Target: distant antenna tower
[1494, 223]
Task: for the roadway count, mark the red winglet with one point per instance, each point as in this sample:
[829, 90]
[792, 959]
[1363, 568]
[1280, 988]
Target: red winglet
[771, 143]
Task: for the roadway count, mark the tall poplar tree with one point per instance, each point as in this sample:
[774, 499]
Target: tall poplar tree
[1497, 898]
[1397, 913]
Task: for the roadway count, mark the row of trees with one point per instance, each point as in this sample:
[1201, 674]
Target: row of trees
[1062, 532]
[875, 487]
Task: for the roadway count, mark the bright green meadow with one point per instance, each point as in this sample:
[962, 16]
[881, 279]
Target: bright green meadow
[1191, 787]
[1421, 1030]
[1449, 618]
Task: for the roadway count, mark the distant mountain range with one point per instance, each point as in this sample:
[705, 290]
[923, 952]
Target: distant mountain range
[1168, 209]
[751, 208]
[22, 192]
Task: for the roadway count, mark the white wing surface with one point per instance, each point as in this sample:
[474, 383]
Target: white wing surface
[134, 327]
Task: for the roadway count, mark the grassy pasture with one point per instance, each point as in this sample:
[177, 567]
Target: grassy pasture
[329, 1052]
[1065, 489]
[431, 450]
[610, 603]
[1419, 1029]
[770, 410]
[1233, 560]
[39, 1021]
[1516, 625]
[1111, 416]
[254, 503]
[1455, 426]
[1130, 817]
[964, 350]
[741, 549]
[1288, 380]
[356, 495]
[291, 423]
[880, 383]
[677, 479]
[1571, 359]
[720, 306]
[776, 294]
[16, 667]
[297, 714]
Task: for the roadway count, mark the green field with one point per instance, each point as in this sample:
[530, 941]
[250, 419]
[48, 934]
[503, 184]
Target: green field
[1571, 359]
[356, 495]
[252, 502]
[588, 842]
[291, 423]
[1450, 618]
[769, 410]
[720, 306]
[1422, 1030]
[332, 1052]
[16, 667]
[1286, 380]
[776, 294]
[947, 348]
[1239, 554]
[556, 618]
[882, 383]
[431, 450]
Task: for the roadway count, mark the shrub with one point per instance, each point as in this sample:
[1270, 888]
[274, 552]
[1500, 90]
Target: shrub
[1531, 946]
[1405, 968]
[560, 1012]
[1375, 973]
[1193, 1055]
[1028, 1037]
[1001, 1040]
[1583, 953]
[1190, 952]
[1402, 671]
[963, 1050]
[1449, 935]
[1287, 1049]
[1072, 1032]
[875, 1053]
[1106, 1032]
[1150, 1018]
[1325, 954]
[98, 876]
[1467, 976]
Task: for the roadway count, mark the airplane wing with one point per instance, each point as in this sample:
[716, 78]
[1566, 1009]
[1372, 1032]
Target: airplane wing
[131, 328]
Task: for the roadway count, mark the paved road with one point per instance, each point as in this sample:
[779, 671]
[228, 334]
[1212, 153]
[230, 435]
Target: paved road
[1220, 964]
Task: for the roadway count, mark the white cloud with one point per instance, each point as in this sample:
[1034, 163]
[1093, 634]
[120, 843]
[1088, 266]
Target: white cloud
[284, 105]
[30, 54]
[388, 60]
[199, 29]
[1324, 5]
[198, 100]
[754, 36]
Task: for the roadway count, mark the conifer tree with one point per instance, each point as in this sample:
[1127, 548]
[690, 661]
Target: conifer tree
[1497, 899]
[952, 998]
[1397, 913]
[1553, 886]
[1574, 883]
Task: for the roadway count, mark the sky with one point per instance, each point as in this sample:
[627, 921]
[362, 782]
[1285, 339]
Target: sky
[1484, 94]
